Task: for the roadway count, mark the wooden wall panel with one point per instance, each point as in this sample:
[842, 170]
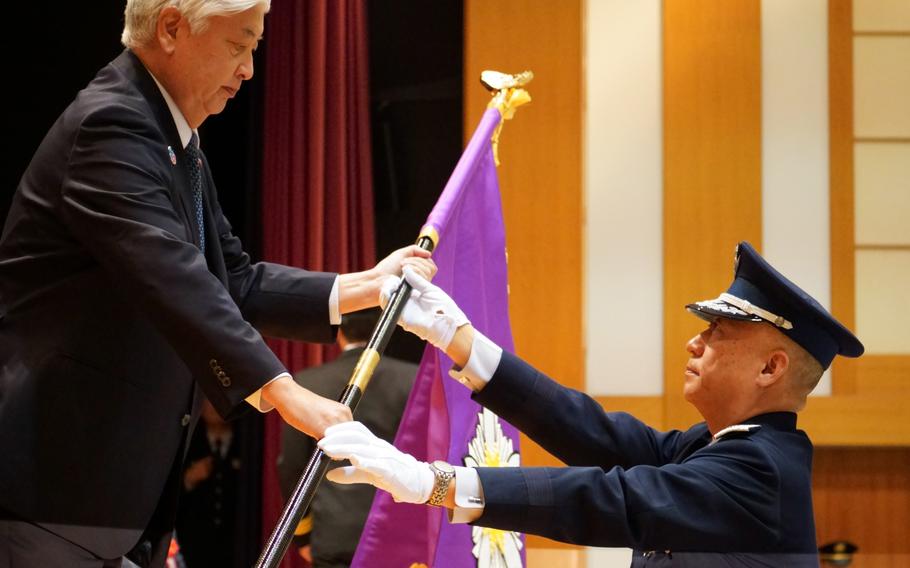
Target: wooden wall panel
[712, 164]
[540, 178]
[540, 174]
[863, 495]
[648, 409]
[840, 121]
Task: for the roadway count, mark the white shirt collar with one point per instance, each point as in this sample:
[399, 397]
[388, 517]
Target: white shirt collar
[183, 127]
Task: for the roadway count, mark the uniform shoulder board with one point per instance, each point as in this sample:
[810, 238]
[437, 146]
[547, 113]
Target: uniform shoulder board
[735, 429]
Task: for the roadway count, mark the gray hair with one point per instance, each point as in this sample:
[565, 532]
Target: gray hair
[141, 16]
[804, 373]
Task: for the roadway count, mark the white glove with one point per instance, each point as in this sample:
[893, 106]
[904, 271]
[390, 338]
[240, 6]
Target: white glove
[430, 313]
[376, 462]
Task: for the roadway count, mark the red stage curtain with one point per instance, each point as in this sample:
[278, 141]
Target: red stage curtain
[317, 194]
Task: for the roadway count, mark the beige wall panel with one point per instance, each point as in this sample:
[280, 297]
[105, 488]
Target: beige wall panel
[881, 15]
[712, 164]
[609, 557]
[550, 557]
[623, 198]
[883, 301]
[882, 193]
[796, 217]
[881, 69]
[540, 178]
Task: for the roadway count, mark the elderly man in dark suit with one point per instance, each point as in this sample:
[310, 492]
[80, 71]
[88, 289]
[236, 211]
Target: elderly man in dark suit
[123, 292]
[734, 490]
[327, 537]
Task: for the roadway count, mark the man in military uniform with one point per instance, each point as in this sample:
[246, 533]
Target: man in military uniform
[734, 490]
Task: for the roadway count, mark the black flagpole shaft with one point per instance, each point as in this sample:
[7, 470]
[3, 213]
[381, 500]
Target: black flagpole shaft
[316, 468]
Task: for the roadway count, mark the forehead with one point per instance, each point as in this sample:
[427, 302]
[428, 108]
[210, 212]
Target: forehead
[757, 336]
[741, 328]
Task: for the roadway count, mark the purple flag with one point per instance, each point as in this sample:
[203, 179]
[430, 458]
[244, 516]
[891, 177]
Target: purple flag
[440, 420]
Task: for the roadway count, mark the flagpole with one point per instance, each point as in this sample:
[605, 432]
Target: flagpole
[508, 95]
[303, 493]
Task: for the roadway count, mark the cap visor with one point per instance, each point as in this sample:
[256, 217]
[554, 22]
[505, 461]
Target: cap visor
[709, 310]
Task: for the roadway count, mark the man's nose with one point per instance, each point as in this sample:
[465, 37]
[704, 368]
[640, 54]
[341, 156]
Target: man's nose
[696, 346]
[245, 69]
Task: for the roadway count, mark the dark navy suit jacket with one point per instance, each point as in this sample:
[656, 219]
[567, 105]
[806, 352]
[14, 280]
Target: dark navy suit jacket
[110, 317]
[747, 495]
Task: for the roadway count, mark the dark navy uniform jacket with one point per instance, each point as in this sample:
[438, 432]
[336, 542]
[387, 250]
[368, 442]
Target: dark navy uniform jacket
[677, 498]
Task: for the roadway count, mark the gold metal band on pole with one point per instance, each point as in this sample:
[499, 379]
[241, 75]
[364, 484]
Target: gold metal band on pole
[363, 372]
[430, 232]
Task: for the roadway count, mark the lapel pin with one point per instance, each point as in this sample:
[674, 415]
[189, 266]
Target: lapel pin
[170, 152]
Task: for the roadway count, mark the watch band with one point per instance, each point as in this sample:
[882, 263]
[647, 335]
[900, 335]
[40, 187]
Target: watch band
[444, 474]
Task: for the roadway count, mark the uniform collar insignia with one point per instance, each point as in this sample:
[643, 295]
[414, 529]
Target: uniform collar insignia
[735, 428]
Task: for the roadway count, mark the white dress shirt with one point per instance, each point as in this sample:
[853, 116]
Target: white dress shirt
[477, 372]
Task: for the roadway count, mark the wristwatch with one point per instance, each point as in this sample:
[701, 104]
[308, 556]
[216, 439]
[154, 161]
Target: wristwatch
[444, 473]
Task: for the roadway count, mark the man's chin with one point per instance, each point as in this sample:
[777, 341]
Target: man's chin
[689, 391]
[216, 106]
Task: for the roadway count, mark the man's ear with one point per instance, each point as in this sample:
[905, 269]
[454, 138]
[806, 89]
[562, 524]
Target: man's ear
[169, 20]
[776, 365]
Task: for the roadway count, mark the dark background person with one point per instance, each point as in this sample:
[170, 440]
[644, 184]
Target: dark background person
[328, 535]
[124, 294]
[734, 490]
[207, 529]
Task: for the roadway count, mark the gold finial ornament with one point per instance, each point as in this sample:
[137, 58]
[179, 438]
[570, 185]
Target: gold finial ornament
[508, 94]
[496, 81]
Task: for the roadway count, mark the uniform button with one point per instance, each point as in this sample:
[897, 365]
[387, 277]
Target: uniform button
[213, 363]
[185, 421]
[226, 382]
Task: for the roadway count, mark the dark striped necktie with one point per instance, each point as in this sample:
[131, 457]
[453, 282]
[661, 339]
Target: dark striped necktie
[194, 155]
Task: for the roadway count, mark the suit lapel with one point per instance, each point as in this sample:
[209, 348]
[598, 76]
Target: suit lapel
[181, 191]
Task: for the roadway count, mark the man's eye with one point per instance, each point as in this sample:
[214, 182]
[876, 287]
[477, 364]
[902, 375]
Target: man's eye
[237, 48]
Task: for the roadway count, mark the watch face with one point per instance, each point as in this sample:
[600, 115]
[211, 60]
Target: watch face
[444, 467]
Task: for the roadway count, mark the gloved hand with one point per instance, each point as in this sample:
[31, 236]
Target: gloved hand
[430, 313]
[376, 462]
